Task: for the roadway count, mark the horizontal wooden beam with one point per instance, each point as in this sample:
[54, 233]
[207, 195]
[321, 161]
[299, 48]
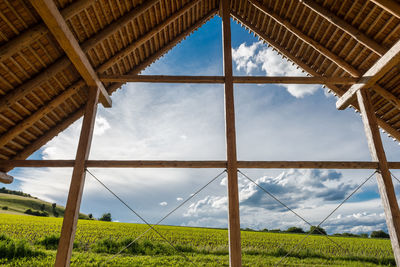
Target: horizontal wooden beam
[4, 164]
[52, 17]
[345, 26]
[5, 178]
[220, 79]
[369, 79]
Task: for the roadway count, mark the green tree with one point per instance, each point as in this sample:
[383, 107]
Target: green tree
[106, 217]
[42, 207]
[317, 230]
[294, 230]
[379, 234]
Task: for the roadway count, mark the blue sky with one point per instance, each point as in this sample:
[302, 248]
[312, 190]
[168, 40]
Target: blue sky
[186, 122]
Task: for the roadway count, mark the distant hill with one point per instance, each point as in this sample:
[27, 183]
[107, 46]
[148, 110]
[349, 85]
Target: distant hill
[16, 202]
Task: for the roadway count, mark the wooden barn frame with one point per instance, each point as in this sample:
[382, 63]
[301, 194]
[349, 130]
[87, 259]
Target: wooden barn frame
[59, 58]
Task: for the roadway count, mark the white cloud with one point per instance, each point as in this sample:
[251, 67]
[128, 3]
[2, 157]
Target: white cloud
[311, 193]
[101, 125]
[258, 56]
[163, 203]
[179, 199]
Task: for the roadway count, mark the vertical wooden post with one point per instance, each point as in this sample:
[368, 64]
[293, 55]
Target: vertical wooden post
[235, 257]
[77, 182]
[384, 178]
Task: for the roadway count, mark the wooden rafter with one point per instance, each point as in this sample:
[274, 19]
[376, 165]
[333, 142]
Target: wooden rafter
[307, 39]
[390, 6]
[34, 117]
[73, 117]
[369, 79]
[60, 30]
[33, 34]
[7, 164]
[220, 79]
[383, 124]
[346, 27]
[395, 101]
[63, 62]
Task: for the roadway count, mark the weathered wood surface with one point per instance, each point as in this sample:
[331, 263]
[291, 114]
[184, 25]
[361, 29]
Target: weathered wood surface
[384, 178]
[77, 182]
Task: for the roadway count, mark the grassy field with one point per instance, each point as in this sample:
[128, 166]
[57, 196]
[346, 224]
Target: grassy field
[96, 242]
[14, 204]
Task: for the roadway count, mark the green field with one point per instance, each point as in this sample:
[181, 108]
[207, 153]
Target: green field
[97, 242]
[14, 204]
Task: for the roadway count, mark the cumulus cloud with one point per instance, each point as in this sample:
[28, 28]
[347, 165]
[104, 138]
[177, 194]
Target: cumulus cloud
[179, 199]
[311, 193]
[163, 203]
[258, 57]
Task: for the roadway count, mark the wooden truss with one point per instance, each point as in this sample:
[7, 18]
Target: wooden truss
[358, 95]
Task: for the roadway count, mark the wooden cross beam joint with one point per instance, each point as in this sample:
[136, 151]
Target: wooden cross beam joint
[56, 24]
[372, 76]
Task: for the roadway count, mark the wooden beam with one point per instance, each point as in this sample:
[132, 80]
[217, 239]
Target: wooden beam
[141, 66]
[64, 124]
[346, 27]
[5, 178]
[32, 34]
[307, 39]
[62, 63]
[235, 250]
[369, 79]
[338, 91]
[384, 177]
[390, 6]
[147, 36]
[395, 101]
[77, 182]
[51, 16]
[34, 117]
[5, 164]
[161, 79]
[220, 79]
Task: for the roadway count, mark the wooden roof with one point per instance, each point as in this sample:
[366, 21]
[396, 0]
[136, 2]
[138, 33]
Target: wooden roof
[41, 92]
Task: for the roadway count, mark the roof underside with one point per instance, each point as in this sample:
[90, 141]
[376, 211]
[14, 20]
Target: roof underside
[41, 93]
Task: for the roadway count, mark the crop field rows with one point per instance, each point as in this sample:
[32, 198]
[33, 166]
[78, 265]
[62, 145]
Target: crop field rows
[98, 241]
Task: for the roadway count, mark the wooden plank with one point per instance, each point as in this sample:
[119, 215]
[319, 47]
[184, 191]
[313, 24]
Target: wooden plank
[369, 79]
[344, 26]
[32, 34]
[61, 32]
[384, 179]
[5, 178]
[235, 254]
[37, 115]
[395, 101]
[77, 182]
[220, 79]
[308, 40]
[390, 6]
[338, 91]
[4, 164]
